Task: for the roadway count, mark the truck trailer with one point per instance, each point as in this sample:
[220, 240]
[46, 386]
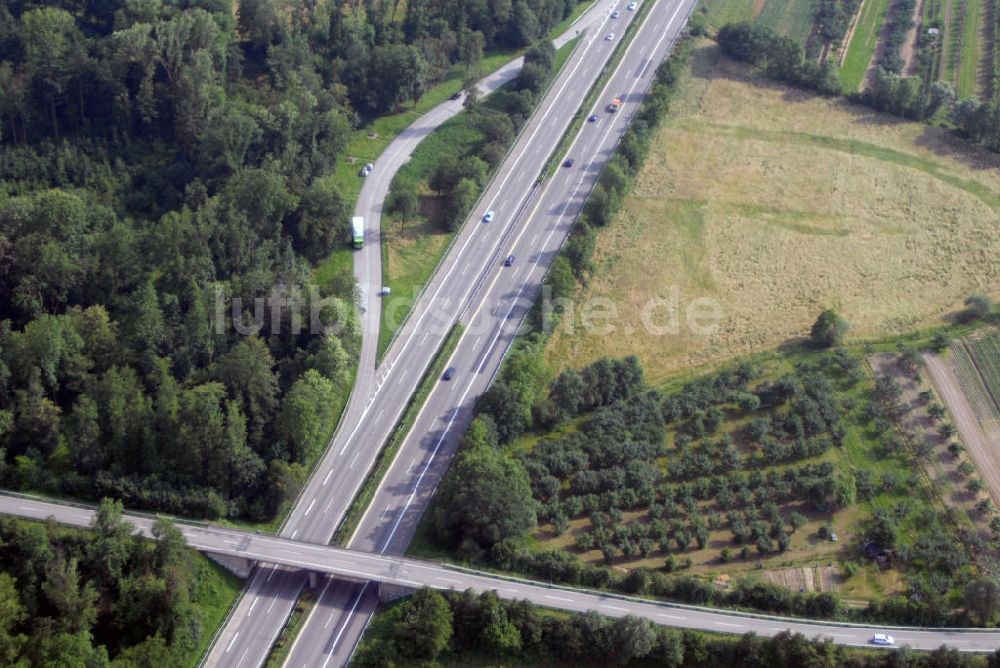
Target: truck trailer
[358, 229]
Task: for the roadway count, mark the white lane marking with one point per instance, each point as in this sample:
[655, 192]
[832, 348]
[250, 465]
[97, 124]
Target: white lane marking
[250, 611]
[614, 607]
[443, 578]
[274, 599]
[328, 474]
[242, 656]
[294, 533]
[232, 642]
[382, 410]
[311, 504]
[727, 624]
[356, 455]
[271, 574]
[465, 268]
[350, 613]
[558, 598]
[666, 616]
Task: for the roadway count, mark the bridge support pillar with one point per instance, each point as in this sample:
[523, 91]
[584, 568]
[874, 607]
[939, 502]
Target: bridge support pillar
[238, 566]
[390, 592]
[313, 579]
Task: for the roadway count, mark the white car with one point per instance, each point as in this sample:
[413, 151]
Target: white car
[632, 6]
[488, 216]
[883, 639]
[610, 36]
[615, 14]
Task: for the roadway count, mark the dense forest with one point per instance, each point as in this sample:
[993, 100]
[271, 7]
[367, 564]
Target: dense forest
[79, 598]
[158, 161]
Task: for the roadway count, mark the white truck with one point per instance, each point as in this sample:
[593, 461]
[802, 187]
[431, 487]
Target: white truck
[358, 230]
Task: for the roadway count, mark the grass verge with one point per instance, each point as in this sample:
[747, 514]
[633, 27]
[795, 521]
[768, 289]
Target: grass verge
[215, 590]
[863, 43]
[374, 479]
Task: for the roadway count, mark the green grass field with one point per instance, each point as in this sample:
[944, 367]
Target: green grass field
[721, 12]
[794, 18]
[859, 53]
[753, 193]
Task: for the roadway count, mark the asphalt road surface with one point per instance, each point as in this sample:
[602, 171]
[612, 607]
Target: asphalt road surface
[409, 573]
[491, 299]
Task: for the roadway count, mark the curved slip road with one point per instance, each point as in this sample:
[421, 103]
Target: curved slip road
[408, 573]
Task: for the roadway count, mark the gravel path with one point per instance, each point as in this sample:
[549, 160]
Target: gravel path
[983, 447]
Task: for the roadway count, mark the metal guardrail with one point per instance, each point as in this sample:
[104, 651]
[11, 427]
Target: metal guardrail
[669, 605]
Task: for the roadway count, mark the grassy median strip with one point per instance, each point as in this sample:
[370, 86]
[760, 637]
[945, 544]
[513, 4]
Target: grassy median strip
[283, 645]
[374, 479]
[574, 127]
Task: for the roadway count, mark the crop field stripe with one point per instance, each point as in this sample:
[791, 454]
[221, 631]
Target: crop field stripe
[977, 364]
[968, 67]
[952, 46]
[985, 354]
[794, 18]
[721, 12]
[862, 48]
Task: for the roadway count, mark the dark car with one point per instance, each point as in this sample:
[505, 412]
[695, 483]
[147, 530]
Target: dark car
[456, 95]
[509, 261]
[449, 373]
[592, 118]
[568, 162]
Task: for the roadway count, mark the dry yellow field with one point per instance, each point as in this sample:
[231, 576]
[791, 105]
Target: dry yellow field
[776, 204]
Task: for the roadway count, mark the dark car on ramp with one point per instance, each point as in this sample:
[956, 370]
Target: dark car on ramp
[449, 373]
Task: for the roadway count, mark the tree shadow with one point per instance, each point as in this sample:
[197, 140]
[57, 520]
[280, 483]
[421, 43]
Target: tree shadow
[950, 143]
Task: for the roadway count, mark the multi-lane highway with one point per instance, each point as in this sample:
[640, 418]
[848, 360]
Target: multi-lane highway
[408, 573]
[379, 398]
[490, 300]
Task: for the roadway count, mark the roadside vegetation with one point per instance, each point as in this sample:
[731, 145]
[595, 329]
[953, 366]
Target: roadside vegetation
[462, 629]
[433, 193]
[106, 597]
